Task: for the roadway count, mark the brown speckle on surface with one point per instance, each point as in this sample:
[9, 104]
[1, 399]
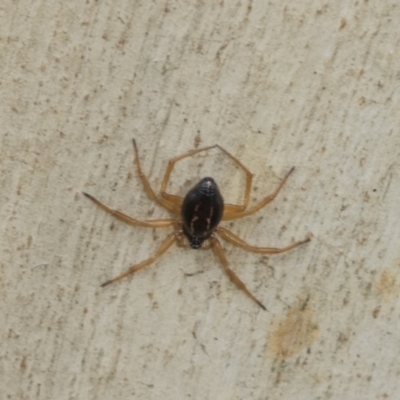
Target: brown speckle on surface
[295, 332]
[386, 285]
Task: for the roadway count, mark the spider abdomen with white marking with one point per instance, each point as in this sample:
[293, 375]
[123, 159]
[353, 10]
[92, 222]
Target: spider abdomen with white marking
[202, 210]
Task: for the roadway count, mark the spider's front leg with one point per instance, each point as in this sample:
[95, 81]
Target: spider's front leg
[236, 241]
[219, 252]
[165, 245]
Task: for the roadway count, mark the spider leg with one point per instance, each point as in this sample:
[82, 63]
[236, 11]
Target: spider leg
[163, 202]
[165, 245]
[233, 208]
[179, 200]
[171, 163]
[236, 241]
[218, 251]
[229, 215]
[158, 223]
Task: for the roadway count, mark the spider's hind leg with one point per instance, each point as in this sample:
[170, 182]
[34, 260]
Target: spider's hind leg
[177, 200]
[233, 208]
[162, 201]
[229, 215]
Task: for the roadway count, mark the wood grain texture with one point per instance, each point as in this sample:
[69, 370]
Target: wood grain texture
[278, 84]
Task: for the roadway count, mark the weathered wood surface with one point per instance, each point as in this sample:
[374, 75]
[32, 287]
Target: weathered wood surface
[279, 84]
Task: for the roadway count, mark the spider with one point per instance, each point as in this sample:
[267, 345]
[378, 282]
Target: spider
[200, 211]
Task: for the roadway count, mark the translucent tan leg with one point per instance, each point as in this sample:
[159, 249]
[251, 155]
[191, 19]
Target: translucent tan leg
[179, 200]
[218, 251]
[235, 240]
[159, 223]
[165, 245]
[172, 198]
[229, 215]
[162, 201]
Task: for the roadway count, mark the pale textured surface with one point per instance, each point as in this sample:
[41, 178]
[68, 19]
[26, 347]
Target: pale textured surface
[308, 84]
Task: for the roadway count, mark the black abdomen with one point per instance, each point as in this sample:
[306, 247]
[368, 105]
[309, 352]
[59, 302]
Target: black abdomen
[202, 211]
